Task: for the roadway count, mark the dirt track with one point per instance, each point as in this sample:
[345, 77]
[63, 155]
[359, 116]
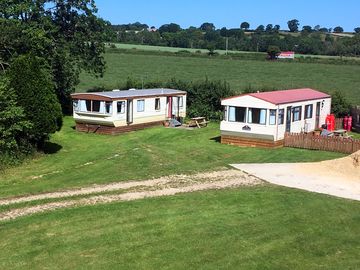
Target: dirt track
[165, 186]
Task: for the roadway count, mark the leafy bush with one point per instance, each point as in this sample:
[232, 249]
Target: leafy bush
[339, 104]
[13, 127]
[31, 80]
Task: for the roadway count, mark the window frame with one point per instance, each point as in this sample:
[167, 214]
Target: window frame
[311, 111]
[159, 107]
[282, 113]
[234, 121]
[181, 101]
[137, 105]
[122, 107]
[272, 110]
[293, 113]
[261, 109]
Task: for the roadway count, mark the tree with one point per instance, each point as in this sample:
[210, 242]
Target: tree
[339, 105]
[30, 78]
[276, 28]
[307, 28]
[338, 29]
[293, 25]
[207, 27]
[13, 126]
[269, 28]
[357, 30]
[260, 28]
[245, 25]
[66, 33]
[273, 52]
[170, 28]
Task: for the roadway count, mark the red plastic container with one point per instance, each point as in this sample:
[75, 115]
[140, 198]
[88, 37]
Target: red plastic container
[330, 122]
[345, 123]
[349, 123]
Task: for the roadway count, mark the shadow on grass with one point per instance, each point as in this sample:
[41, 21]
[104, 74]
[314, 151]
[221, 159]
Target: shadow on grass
[216, 139]
[51, 148]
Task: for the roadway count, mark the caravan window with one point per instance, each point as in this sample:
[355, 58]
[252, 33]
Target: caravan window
[308, 111]
[297, 113]
[281, 117]
[141, 105]
[108, 107]
[237, 114]
[181, 102]
[257, 116]
[96, 106]
[157, 104]
[272, 118]
[88, 105]
[121, 107]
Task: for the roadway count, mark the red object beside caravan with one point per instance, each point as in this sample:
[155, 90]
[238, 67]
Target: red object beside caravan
[349, 123]
[345, 123]
[330, 122]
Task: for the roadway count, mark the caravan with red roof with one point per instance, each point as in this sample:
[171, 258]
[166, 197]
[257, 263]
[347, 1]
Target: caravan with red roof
[261, 119]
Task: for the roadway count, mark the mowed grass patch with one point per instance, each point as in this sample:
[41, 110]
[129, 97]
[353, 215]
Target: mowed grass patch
[263, 227]
[241, 74]
[81, 159]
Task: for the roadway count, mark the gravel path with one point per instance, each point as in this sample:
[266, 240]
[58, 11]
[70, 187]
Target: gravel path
[165, 186]
[338, 177]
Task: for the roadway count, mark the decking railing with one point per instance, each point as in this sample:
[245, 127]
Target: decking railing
[310, 141]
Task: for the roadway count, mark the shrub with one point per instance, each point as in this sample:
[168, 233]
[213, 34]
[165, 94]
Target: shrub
[339, 105]
[31, 80]
[13, 127]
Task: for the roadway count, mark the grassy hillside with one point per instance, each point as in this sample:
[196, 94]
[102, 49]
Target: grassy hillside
[240, 74]
[246, 228]
[78, 159]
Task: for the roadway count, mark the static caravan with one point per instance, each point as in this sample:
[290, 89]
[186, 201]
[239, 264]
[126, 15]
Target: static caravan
[261, 119]
[118, 111]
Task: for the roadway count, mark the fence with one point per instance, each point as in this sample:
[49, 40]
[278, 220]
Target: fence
[310, 141]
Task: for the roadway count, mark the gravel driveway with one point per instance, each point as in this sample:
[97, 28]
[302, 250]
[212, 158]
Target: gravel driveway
[338, 177]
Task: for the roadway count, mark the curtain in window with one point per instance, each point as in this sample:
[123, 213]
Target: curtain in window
[250, 115]
[232, 114]
[140, 105]
[262, 116]
[102, 107]
[82, 106]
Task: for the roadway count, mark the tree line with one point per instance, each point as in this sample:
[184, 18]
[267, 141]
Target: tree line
[308, 40]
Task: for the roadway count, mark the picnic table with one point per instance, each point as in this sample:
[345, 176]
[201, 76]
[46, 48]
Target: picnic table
[198, 122]
[340, 132]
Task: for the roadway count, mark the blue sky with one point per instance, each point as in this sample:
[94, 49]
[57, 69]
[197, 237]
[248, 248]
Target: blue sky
[327, 13]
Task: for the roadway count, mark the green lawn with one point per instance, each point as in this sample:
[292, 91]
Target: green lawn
[239, 73]
[246, 228]
[81, 159]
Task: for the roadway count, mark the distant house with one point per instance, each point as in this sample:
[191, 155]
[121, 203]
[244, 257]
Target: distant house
[286, 55]
[118, 111]
[263, 118]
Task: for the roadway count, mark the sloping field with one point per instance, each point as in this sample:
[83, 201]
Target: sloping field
[240, 74]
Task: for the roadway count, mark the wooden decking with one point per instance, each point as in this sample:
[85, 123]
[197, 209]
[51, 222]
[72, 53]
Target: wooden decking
[250, 142]
[108, 130]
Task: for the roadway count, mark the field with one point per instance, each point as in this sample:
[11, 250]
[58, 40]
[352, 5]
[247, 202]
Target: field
[250, 227]
[240, 74]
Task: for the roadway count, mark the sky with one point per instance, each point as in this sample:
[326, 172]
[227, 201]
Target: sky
[327, 13]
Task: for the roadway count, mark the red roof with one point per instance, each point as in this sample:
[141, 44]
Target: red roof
[288, 96]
